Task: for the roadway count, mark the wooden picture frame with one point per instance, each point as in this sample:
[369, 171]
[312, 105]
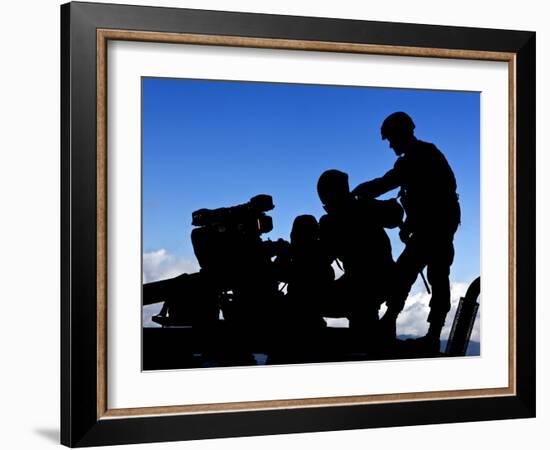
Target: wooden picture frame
[86, 418]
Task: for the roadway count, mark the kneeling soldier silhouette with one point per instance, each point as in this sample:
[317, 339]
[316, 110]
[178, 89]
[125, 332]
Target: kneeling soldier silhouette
[353, 232]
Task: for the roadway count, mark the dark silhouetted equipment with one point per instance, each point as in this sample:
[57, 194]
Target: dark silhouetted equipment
[465, 316]
[227, 240]
[248, 217]
[236, 273]
[189, 300]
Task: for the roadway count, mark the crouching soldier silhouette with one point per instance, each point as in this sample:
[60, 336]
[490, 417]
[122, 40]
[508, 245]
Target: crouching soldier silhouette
[308, 273]
[353, 232]
[428, 195]
[307, 270]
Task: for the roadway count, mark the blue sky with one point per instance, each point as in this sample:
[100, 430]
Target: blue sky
[208, 144]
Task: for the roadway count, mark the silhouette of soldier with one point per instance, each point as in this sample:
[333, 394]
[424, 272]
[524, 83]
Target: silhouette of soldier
[428, 195]
[307, 270]
[353, 232]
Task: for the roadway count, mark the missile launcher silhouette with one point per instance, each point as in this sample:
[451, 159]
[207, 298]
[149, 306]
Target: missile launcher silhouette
[465, 316]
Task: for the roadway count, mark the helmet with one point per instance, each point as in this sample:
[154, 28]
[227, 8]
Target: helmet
[397, 124]
[332, 186]
[304, 229]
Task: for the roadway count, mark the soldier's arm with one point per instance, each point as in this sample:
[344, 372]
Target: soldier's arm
[378, 186]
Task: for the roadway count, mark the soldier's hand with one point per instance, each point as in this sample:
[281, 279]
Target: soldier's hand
[361, 191]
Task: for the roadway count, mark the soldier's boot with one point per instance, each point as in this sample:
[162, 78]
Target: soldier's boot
[430, 344]
[387, 326]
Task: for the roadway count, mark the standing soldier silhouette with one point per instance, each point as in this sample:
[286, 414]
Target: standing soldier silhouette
[428, 196]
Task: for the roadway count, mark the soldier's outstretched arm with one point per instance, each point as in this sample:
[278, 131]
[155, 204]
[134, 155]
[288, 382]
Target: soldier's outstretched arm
[378, 186]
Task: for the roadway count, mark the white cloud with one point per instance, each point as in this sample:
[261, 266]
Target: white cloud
[338, 271]
[159, 265]
[340, 322]
[148, 312]
[413, 319]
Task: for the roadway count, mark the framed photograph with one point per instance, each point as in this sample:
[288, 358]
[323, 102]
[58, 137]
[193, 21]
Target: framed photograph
[278, 224]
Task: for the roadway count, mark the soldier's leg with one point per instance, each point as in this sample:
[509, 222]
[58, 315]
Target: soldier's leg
[363, 311]
[439, 267]
[407, 267]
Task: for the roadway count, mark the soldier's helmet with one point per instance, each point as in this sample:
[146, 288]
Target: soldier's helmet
[304, 229]
[333, 187]
[396, 125]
